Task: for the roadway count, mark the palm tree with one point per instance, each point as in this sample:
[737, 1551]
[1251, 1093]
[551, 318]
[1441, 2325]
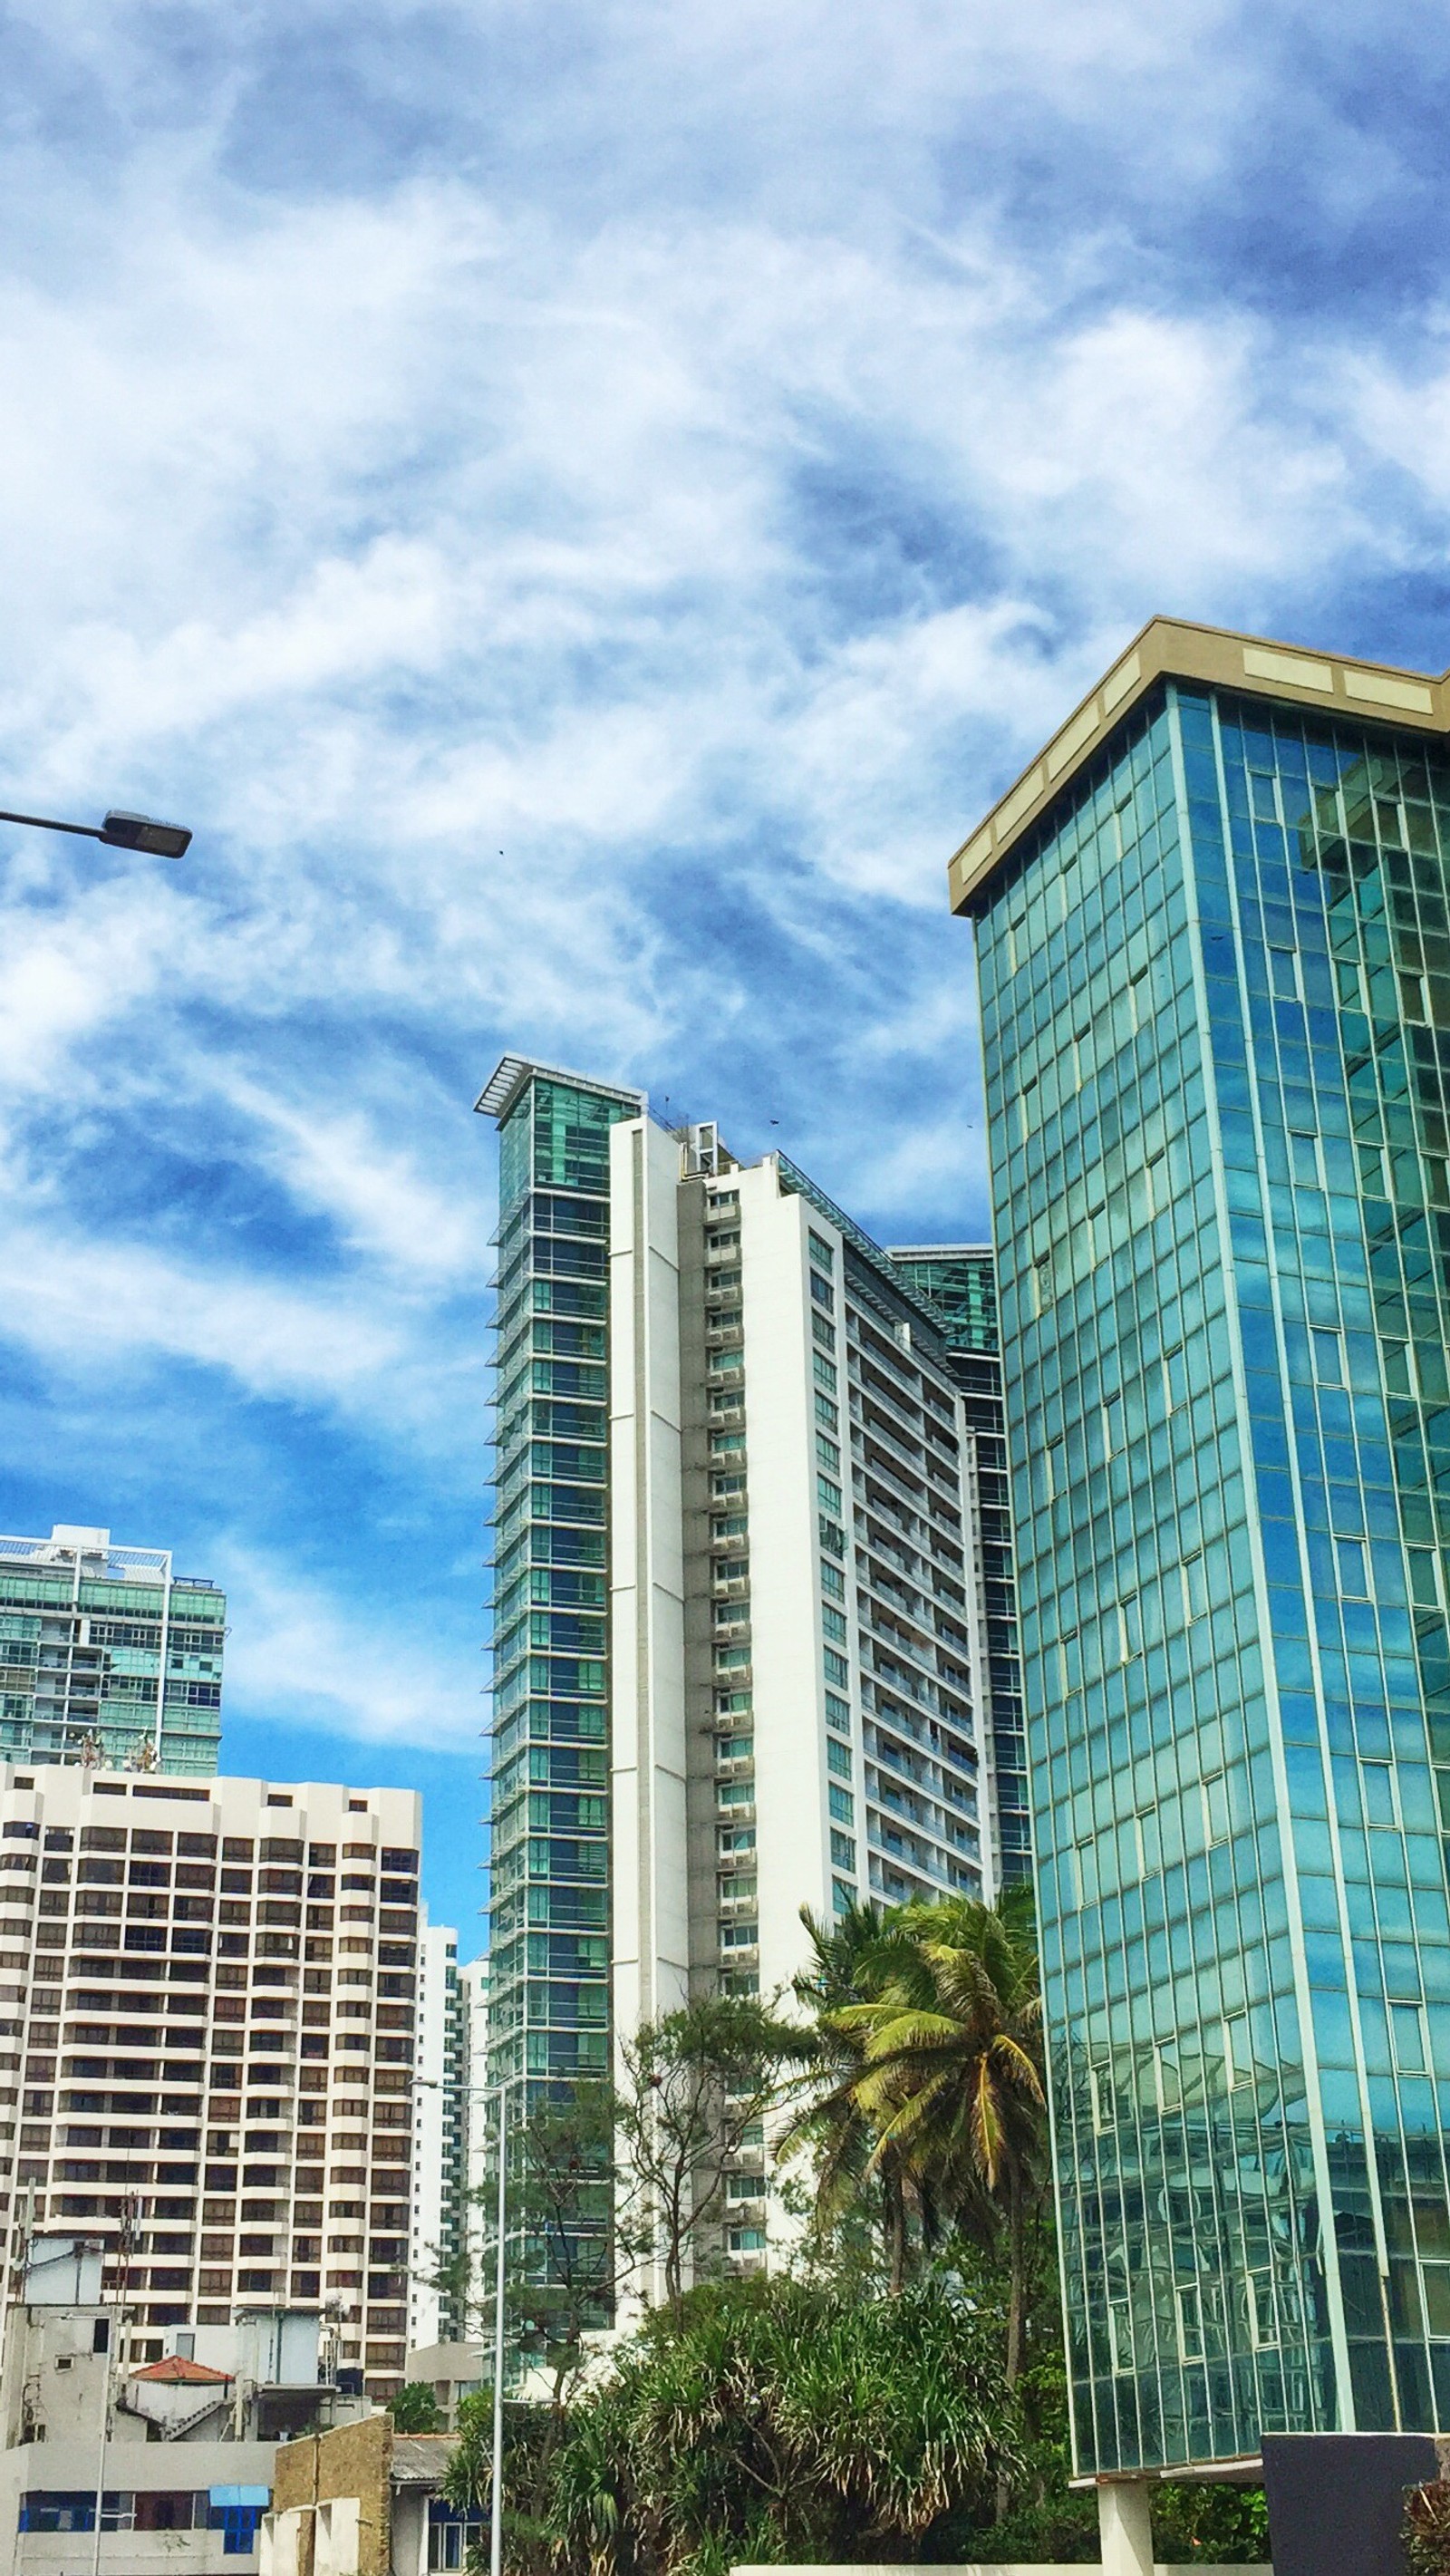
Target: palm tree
[950, 2080]
[859, 1958]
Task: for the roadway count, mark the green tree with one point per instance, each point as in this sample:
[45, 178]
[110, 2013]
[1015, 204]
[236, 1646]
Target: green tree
[772, 2421]
[414, 2408]
[856, 1959]
[696, 2083]
[580, 2248]
[952, 2079]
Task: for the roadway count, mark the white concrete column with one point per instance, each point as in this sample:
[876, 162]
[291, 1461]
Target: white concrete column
[1125, 2528]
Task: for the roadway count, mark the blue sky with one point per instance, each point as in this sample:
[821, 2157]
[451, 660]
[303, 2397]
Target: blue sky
[581, 508]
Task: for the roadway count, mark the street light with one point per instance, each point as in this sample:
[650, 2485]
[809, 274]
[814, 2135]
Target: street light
[119, 832]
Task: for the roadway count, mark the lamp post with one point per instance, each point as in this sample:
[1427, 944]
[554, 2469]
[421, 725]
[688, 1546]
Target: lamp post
[119, 832]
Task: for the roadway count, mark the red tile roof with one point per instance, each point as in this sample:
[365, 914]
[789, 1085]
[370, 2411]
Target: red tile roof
[176, 2372]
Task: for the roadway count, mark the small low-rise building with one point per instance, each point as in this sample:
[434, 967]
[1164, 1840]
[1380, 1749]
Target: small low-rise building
[183, 2444]
[364, 2500]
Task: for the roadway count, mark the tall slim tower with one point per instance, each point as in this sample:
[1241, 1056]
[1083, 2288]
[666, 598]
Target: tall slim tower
[1213, 935]
[549, 1888]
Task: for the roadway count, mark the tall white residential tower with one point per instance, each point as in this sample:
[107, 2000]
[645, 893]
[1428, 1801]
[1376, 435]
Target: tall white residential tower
[742, 1661]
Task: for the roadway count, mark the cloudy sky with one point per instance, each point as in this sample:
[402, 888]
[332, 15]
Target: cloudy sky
[581, 507]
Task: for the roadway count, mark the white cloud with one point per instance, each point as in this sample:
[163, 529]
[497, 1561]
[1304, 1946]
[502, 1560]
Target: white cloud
[582, 519]
[297, 1655]
[88, 1301]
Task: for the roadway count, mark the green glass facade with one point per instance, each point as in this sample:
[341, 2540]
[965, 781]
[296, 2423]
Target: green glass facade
[959, 1281]
[1215, 986]
[107, 1658]
[549, 1898]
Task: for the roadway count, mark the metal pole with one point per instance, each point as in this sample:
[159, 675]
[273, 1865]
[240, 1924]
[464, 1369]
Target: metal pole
[101, 2468]
[495, 2548]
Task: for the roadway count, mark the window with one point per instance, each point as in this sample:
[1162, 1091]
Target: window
[1408, 2029]
[1304, 1160]
[1284, 975]
[821, 1251]
[1263, 2322]
[1349, 1557]
[843, 1851]
[1377, 1781]
[843, 1806]
[834, 1582]
[1328, 1358]
[838, 1758]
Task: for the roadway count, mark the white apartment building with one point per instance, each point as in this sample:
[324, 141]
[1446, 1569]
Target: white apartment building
[439, 2141]
[798, 1653]
[480, 2125]
[207, 2002]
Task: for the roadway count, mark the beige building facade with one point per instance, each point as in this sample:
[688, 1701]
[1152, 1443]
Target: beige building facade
[207, 2002]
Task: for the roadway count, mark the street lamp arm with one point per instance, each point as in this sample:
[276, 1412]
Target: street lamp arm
[119, 831]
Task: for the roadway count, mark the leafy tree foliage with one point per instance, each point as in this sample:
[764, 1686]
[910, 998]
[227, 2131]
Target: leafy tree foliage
[903, 2395]
[695, 2083]
[771, 2421]
[414, 2408]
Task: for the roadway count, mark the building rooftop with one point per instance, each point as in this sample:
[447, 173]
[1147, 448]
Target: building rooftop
[1171, 648]
[177, 2371]
[421, 2459]
[512, 1072]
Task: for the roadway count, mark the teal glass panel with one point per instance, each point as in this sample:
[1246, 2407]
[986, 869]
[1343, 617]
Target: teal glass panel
[549, 1869]
[1216, 1008]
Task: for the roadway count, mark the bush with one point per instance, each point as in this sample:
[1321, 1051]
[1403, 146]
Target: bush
[414, 2409]
[1427, 2529]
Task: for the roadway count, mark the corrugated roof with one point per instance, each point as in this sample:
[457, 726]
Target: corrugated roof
[420, 2459]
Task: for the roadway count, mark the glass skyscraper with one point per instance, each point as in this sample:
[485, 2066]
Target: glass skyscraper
[549, 1889]
[959, 1281]
[1213, 937]
[106, 1657]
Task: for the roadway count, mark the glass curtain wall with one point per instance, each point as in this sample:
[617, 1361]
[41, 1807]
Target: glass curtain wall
[1216, 1013]
[549, 1897]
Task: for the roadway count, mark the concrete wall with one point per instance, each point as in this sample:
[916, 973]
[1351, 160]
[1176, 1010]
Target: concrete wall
[651, 1934]
[331, 2503]
[133, 2467]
